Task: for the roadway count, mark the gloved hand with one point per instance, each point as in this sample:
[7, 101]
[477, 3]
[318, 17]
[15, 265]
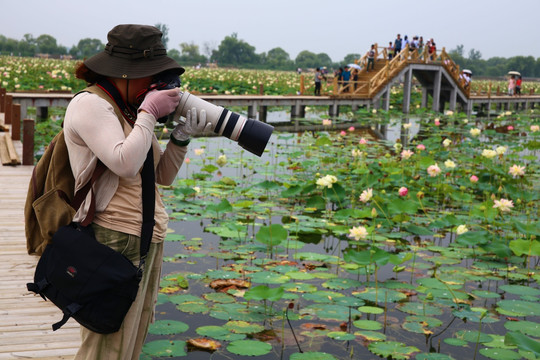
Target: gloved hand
[160, 103]
[193, 125]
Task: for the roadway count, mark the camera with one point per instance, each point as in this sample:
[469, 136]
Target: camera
[252, 135]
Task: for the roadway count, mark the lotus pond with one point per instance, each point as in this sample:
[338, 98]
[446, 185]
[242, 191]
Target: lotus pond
[336, 245]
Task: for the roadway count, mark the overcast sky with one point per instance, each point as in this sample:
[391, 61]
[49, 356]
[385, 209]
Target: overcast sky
[494, 27]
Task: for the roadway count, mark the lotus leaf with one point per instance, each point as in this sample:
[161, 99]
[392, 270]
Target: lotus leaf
[243, 327]
[500, 354]
[381, 295]
[249, 347]
[393, 349]
[341, 335]
[525, 327]
[311, 355]
[518, 308]
[168, 327]
[219, 333]
[368, 324]
[165, 348]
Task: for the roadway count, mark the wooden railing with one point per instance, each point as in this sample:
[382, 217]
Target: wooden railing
[10, 126]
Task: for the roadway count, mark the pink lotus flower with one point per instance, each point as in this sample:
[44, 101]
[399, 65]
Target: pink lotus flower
[351, 128]
[406, 154]
[421, 147]
[363, 141]
[366, 195]
[516, 170]
[433, 170]
[403, 191]
[342, 133]
[437, 122]
[510, 127]
[358, 233]
[327, 122]
[187, 160]
[504, 205]
[473, 178]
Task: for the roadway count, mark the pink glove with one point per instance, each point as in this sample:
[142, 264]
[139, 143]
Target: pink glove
[160, 103]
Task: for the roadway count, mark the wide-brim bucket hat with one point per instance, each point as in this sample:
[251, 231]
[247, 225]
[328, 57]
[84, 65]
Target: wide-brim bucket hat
[133, 52]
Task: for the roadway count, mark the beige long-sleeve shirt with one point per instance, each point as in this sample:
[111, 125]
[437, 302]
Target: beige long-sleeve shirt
[92, 130]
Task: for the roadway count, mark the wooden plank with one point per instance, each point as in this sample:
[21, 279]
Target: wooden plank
[25, 318]
[4, 153]
[11, 151]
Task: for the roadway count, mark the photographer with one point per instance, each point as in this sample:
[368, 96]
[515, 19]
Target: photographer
[113, 121]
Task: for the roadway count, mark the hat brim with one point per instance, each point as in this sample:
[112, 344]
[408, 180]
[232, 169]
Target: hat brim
[122, 68]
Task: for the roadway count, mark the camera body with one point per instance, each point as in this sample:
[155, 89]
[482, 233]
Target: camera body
[252, 135]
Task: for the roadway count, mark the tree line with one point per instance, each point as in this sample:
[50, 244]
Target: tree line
[235, 52]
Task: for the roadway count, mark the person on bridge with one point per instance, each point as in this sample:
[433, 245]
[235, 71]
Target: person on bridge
[518, 85]
[318, 80]
[390, 50]
[346, 76]
[371, 58]
[122, 137]
[512, 85]
[397, 45]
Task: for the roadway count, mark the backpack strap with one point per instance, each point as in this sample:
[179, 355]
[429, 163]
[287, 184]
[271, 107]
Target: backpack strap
[81, 194]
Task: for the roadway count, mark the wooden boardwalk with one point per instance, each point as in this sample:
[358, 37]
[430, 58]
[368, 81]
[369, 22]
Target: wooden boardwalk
[25, 319]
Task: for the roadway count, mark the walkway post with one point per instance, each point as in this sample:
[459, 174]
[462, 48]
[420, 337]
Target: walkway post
[437, 91]
[407, 84]
[453, 99]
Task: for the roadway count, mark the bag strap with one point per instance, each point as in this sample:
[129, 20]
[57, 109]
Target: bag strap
[148, 177]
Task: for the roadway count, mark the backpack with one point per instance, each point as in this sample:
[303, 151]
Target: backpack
[49, 201]
[51, 187]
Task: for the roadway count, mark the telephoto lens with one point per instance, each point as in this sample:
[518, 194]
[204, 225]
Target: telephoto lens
[252, 135]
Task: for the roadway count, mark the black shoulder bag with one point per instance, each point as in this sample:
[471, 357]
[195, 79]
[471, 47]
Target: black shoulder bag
[87, 280]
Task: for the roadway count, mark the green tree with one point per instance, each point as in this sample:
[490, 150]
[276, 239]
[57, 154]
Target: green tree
[46, 44]
[8, 45]
[307, 59]
[235, 52]
[189, 54]
[87, 47]
[278, 59]
[458, 51]
[350, 58]
[165, 30]
[526, 65]
[27, 46]
[474, 55]
[323, 60]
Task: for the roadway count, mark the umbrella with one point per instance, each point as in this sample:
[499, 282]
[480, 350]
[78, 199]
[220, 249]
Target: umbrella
[355, 66]
[514, 73]
[467, 71]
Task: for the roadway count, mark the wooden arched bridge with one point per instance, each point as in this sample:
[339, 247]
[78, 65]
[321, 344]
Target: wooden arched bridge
[438, 76]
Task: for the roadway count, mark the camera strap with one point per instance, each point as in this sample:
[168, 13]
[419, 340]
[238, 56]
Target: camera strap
[129, 113]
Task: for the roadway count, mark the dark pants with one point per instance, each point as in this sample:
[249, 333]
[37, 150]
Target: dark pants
[318, 88]
[370, 61]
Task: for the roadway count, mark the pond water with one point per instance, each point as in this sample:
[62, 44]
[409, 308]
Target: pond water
[339, 309]
[427, 307]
